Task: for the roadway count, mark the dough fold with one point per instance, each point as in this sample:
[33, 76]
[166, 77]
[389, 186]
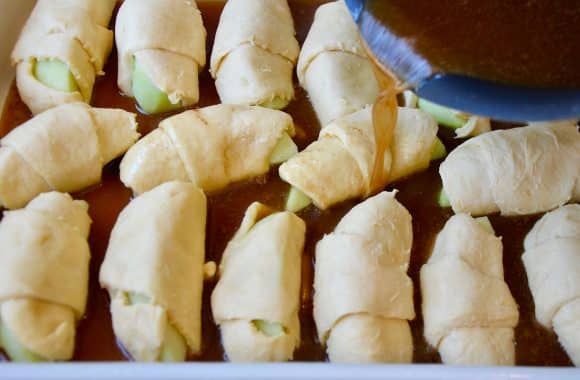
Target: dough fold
[341, 164]
[168, 39]
[44, 272]
[475, 125]
[63, 149]
[74, 32]
[363, 296]
[552, 262]
[210, 147]
[260, 282]
[468, 311]
[254, 52]
[333, 65]
[518, 171]
[157, 251]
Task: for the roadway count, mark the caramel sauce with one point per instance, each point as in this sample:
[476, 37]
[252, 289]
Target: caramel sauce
[524, 42]
[95, 338]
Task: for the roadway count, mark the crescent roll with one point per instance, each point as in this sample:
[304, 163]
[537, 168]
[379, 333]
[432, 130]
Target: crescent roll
[161, 43]
[257, 298]
[153, 271]
[469, 313]
[62, 48]
[363, 297]
[552, 262]
[517, 171]
[210, 147]
[44, 273]
[333, 65]
[341, 164]
[254, 53]
[63, 149]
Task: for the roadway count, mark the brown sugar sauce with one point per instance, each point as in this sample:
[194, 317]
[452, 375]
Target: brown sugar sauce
[95, 338]
[522, 42]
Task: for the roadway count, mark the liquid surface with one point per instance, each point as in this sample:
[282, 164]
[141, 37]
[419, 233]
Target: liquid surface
[525, 42]
[95, 339]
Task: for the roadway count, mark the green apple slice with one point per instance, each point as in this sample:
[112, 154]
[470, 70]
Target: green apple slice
[485, 223]
[444, 116]
[16, 351]
[442, 199]
[150, 98]
[439, 150]
[277, 103]
[284, 150]
[268, 328]
[297, 200]
[138, 298]
[174, 346]
[55, 74]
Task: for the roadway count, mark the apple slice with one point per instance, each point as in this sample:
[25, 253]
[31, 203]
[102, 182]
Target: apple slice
[268, 328]
[150, 98]
[444, 116]
[439, 150]
[16, 351]
[55, 74]
[284, 150]
[277, 103]
[442, 199]
[297, 200]
[174, 347]
[137, 298]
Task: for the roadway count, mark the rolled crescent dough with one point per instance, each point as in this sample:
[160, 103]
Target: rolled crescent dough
[63, 149]
[260, 281]
[468, 311]
[517, 171]
[168, 39]
[475, 125]
[74, 32]
[210, 147]
[340, 164]
[157, 250]
[552, 262]
[362, 294]
[333, 65]
[254, 52]
[44, 273]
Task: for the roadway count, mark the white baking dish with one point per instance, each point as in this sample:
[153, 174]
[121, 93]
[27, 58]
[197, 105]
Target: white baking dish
[319, 371]
[12, 15]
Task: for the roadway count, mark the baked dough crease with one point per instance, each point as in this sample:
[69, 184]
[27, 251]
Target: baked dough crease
[333, 65]
[210, 147]
[517, 171]
[552, 262]
[44, 273]
[257, 298]
[469, 313]
[153, 271]
[254, 53]
[166, 39]
[363, 297]
[62, 149]
[353, 158]
[71, 33]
